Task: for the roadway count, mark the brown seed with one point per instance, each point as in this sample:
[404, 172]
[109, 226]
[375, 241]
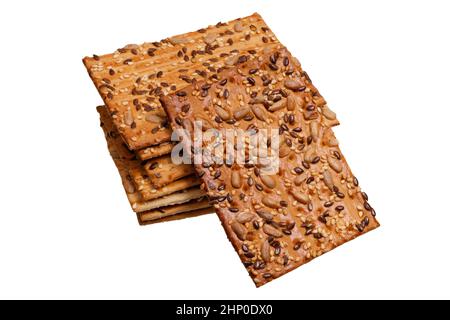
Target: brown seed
[236, 179]
[309, 180]
[367, 206]
[265, 251]
[266, 215]
[272, 231]
[339, 208]
[300, 196]
[271, 202]
[355, 182]
[294, 85]
[239, 230]
[281, 104]
[185, 108]
[328, 204]
[259, 113]
[328, 179]
[241, 113]
[335, 164]
[222, 113]
[244, 217]
[259, 187]
[298, 170]
[268, 181]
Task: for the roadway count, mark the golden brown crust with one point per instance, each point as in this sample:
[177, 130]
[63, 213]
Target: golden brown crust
[170, 211]
[142, 195]
[154, 151]
[132, 79]
[179, 216]
[314, 203]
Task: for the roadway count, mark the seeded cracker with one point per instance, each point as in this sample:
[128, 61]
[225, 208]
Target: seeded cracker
[132, 79]
[166, 204]
[314, 203]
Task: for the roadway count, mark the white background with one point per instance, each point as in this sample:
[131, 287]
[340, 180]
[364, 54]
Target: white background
[66, 228]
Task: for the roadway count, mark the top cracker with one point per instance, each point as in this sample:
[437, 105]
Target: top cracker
[312, 204]
[132, 79]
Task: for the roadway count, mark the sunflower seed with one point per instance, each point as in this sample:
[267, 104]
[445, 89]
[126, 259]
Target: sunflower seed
[328, 179]
[244, 217]
[265, 251]
[128, 118]
[259, 113]
[236, 179]
[238, 27]
[266, 215]
[292, 84]
[314, 127]
[300, 196]
[294, 102]
[241, 113]
[222, 113]
[310, 154]
[210, 38]
[277, 106]
[154, 118]
[231, 61]
[284, 150]
[271, 202]
[268, 181]
[257, 100]
[272, 231]
[239, 230]
[329, 114]
[335, 164]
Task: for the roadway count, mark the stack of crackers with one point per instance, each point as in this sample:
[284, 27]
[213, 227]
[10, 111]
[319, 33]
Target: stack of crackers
[131, 82]
[230, 76]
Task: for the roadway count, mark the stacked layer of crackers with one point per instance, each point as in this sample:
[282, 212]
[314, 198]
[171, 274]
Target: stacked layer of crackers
[131, 82]
[231, 76]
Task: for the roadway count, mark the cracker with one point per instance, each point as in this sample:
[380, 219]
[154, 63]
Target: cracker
[170, 211]
[132, 79]
[171, 199]
[161, 171]
[149, 192]
[154, 151]
[313, 204]
[125, 163]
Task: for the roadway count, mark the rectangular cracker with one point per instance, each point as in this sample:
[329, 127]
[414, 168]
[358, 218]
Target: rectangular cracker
[314, 203]
[170, 211]
[161, 171]
[132, 79]
[125, 163]
[154, 151]
[149, 192]
[171, 199]
[179, 216]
